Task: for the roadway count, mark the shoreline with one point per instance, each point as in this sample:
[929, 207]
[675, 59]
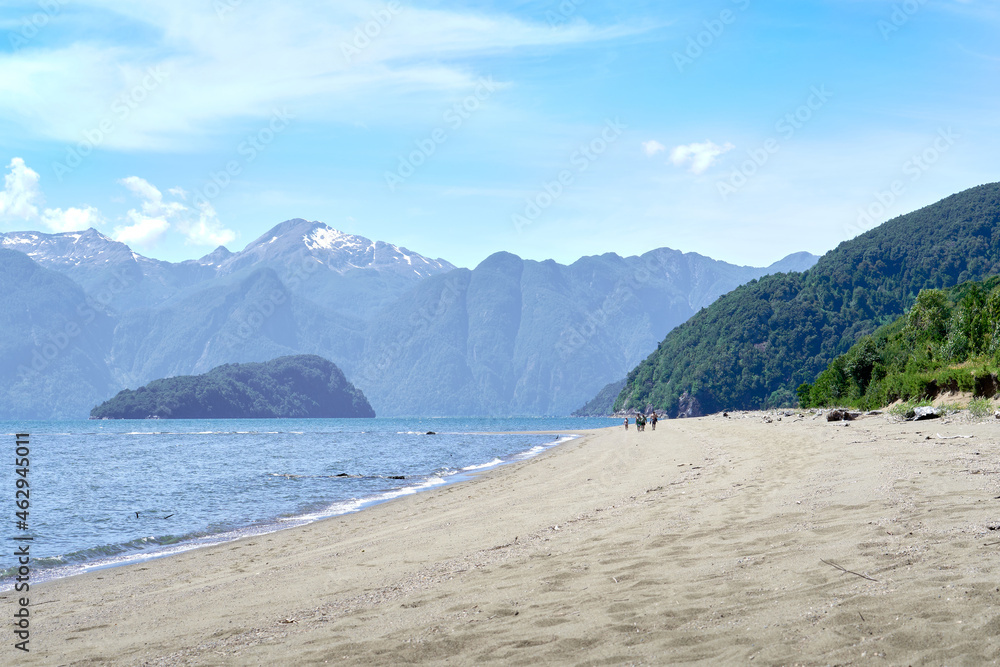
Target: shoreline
[709, 540]
[267, 526]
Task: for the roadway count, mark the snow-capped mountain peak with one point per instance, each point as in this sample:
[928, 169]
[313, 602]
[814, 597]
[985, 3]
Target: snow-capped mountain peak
[328, 238]
[338, 251]
[68, 248]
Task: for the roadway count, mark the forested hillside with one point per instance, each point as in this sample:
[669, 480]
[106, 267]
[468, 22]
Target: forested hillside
[287, 387]
[948, 341]
[754, 346]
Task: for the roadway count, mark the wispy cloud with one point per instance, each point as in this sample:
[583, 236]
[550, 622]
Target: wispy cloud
[216, 67]
[698, 157]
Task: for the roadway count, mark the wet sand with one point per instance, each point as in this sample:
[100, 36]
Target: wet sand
[714, 540]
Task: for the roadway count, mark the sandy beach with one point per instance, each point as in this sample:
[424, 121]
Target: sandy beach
[714, 540]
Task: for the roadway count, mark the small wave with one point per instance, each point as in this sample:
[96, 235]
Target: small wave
[138, 547]
[538, 449]
[337, 509]
[357, 504]
[489, 464]
[430, 482]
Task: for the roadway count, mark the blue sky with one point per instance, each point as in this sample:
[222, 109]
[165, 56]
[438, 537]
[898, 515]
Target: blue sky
[739, 129]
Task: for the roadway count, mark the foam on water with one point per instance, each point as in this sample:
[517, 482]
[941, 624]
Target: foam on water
[482, 466]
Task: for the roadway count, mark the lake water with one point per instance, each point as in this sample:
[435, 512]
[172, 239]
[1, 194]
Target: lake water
[197, 482]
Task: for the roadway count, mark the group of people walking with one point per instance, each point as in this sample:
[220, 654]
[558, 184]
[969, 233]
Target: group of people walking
[640, 421]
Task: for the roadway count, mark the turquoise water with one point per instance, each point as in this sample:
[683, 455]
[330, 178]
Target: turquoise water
[196, 482]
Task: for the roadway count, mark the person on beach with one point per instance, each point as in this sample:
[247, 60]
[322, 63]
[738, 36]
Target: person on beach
[640, 422]
[626, 423]
[652, 420]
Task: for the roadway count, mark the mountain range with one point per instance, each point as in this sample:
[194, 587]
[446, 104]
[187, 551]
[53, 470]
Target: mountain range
[86, 317]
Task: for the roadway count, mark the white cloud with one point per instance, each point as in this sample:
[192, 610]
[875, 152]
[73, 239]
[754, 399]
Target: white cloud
[140, 187]
[21, 195]
[143, 233]
[152, 199]
[148, 225]
[652, 147]
[22, 198]
[698, 157]
[203, 70]
[208, 230]
[72, 219]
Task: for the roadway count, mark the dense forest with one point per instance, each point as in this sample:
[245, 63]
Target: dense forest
[754, 346]
[949, 341]
[287, 387]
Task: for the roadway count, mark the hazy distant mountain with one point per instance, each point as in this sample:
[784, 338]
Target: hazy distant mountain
[602, 405]
[417, 335]
[214, 258]
[794, 263]
[109, 271]
[523, 337]
[252, 316]
[53, 343]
